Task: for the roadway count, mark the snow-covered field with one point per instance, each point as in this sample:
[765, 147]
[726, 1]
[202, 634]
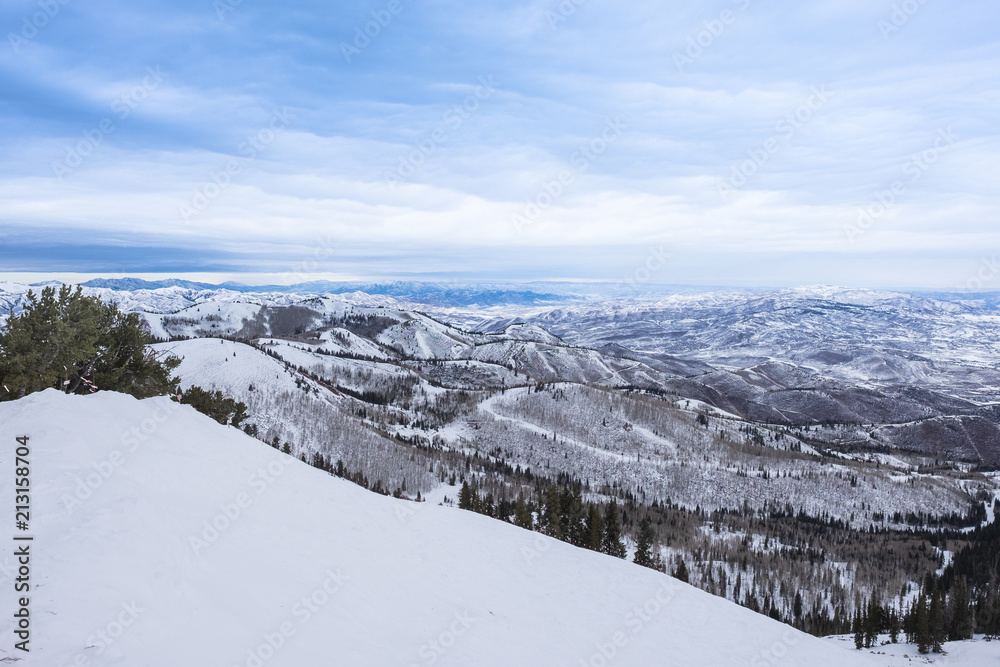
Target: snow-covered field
[970, 653]
[165, 539]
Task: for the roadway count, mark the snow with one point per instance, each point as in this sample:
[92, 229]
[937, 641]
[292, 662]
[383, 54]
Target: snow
[223, 364]
[489, 407]
[969, 653]
[990, 507]
[302, 569]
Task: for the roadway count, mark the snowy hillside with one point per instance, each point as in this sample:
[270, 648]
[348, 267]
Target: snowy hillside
[196, 545]
[287, 405]
[857, 336]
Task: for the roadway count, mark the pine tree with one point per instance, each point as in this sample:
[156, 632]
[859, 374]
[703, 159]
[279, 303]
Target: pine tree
[681, 571]
[571, 519]
[873, 623]
[921, 625]
[215, 405]
[595, 528]
[858, 629]
[644, 544]
[465, 497]
[612, 543]
[991, 616]
[486, 505]
[79, 344]
[936, 621]
[522, 514]
[963, 622]
[552, 513]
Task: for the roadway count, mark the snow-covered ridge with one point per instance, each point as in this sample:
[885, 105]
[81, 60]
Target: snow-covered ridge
[165, 539]
[802, 356]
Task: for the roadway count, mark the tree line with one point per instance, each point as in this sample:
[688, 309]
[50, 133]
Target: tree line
[79, 344]
[559, 511]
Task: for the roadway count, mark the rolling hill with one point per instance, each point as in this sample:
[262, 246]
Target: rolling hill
[162, 538]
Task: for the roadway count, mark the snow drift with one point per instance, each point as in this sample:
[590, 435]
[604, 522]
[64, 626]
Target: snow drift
[165, 539]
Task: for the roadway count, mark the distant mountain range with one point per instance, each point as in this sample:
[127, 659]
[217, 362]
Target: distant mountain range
[430, 293]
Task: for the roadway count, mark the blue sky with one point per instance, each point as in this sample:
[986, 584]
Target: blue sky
[746, 142]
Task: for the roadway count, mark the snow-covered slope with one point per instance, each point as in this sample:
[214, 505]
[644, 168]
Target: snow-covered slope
[976, 652]
[197, 545]
[856, 336]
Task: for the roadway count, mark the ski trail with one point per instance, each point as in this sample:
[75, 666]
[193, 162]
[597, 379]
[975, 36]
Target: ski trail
[487, 406]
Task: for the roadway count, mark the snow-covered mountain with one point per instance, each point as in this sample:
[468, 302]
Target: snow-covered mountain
[857, 336]
[162, 538]
[762, 473]
[921, 372]
[428, 293]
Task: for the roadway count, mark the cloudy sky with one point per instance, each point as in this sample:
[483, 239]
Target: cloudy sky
[731, 142]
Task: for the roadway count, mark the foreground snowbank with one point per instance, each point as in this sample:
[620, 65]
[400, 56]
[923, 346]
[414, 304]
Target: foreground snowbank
[164, 539]
[971, 653]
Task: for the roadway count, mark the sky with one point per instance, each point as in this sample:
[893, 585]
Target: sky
[732, 142]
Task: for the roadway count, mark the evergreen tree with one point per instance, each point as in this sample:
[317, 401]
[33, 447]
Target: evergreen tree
[465, 501]
[125, 363]
[873, 624]
[79, 344]
[571, 518]
[644, 543]
[612, 543]
[522, 513]
[486, 505]
[552, 513]
[990, 618]
[858, 630]
[681, 571]
[921, 625]
[962, 619]
[936, 622]
[595, 528]
[220, 408]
